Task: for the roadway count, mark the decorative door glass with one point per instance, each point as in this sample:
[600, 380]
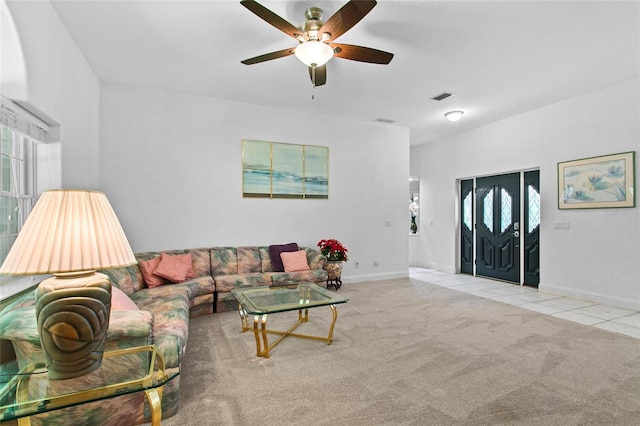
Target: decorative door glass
[467, 213]
[534, 209]
[505, 210]
[487, 203]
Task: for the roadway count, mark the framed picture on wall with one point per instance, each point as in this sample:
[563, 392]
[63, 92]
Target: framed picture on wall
[278, 170]
[597, 182]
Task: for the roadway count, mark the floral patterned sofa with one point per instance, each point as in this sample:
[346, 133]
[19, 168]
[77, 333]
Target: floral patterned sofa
[161, 318]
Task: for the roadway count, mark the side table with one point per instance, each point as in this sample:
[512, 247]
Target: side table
[27, 390]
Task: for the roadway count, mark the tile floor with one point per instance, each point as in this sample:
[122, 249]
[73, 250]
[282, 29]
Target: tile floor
[618, 320]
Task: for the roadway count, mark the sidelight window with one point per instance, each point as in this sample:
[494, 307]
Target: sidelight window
[534, 209]
[467, 213]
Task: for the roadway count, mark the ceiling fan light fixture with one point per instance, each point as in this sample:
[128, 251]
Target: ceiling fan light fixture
[314, 53]
[454, 115]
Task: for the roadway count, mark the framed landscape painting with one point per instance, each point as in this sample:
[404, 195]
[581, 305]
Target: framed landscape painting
[316, 171]
[278, 170]
[597, 182]
[256, 169]
[287, 170]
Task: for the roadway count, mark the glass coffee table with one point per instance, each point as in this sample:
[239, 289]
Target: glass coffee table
[263, 301]
[27, 390]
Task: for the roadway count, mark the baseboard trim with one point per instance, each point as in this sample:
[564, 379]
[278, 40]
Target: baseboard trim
[375, 277]
[436, 267]
[631, 304]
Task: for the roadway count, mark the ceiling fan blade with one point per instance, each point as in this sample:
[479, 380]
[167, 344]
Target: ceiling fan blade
[361, 54]
[345, 18]
[269, 56]
[274, 19]
[320, 77]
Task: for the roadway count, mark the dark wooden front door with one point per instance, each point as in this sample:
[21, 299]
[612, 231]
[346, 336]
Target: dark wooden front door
[466, 227]
[498, 227]
[531, 228]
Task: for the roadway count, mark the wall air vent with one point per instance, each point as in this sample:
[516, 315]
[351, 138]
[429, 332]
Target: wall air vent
[384, 120]
[442, 96]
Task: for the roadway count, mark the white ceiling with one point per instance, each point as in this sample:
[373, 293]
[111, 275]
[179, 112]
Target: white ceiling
[499, 58]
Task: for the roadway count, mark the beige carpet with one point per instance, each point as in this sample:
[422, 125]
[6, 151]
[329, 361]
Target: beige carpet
[407, 352]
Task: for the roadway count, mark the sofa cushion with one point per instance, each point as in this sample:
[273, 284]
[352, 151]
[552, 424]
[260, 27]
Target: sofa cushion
[249, 260]
[294, 261]
[289, 278]
[127, 278]
[172, 268]
[201, 262]
[120, 301]
[225, 283]
[224, 261]
[198, 286]
[158, 298]
[148, 268]
[274, 254]
[265, 259]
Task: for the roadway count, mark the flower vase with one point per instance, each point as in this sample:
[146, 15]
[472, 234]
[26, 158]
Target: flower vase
[414, 225]
[334, 273]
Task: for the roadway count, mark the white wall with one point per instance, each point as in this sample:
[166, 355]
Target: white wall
[63, 90]
[171, 166]
[599, 257]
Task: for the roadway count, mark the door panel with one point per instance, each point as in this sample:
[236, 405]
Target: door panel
[531, 228]
[466, 226]
[497, 227]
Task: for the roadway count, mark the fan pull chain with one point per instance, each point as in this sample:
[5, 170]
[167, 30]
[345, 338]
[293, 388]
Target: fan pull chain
[313, 81]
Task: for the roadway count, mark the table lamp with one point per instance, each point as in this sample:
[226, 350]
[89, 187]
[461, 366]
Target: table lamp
[71, 234]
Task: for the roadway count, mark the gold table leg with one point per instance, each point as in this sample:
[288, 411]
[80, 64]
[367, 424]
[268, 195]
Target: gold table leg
[334, 312]
[260, 330]
[154, 396]
[257, 332]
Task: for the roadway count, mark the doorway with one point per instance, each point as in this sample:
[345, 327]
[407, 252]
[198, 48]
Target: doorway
[499, 227]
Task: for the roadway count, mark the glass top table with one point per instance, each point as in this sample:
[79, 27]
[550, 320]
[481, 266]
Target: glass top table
[27, 390]
[263, 301]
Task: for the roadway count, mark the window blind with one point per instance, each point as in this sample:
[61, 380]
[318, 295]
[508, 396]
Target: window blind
[15, 117]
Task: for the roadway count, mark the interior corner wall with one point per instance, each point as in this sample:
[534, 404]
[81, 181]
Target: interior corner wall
[171, 166]
[61, 85]
[597, 258]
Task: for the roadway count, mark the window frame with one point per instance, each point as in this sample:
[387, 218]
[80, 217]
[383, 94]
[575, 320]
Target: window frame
[19, 165]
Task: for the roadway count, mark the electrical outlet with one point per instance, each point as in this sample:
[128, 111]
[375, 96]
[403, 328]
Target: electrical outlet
[357, 264]
[561, 226]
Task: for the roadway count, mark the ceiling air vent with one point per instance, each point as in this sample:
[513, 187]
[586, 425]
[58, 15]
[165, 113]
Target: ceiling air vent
[442, 96]
[384, 120]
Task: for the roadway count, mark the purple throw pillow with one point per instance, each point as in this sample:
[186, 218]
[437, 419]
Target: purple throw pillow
[274, 254]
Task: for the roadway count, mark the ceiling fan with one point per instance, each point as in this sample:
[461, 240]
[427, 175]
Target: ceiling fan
[316, 38]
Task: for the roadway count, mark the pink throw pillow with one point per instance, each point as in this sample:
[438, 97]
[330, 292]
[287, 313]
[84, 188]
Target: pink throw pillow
[295, 261]
[186, 259]
[120, 301]
[148, 267]
[171, 268]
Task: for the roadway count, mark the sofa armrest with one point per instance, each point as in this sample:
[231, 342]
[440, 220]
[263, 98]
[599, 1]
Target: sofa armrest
[315, 259]
[21, 324]
[130, 324]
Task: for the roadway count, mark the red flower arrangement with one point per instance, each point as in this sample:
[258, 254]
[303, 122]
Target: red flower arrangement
[333, 250]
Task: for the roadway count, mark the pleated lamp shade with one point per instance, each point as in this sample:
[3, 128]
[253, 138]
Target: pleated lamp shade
[69, 231]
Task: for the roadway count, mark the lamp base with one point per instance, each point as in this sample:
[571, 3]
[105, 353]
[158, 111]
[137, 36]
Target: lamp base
[73, 318]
